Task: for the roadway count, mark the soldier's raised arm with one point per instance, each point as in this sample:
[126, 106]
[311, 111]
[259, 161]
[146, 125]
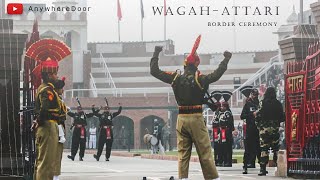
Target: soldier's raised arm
[117, 113]
[163, 76]
[71, 114]
[216, 75]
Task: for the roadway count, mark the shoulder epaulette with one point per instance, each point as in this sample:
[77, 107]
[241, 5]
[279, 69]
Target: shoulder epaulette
[197, 74]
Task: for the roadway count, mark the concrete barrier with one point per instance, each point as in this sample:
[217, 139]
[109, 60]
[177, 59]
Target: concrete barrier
[281, 170]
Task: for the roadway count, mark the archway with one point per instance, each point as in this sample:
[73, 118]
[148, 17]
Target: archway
[123, 133]
[147, 123]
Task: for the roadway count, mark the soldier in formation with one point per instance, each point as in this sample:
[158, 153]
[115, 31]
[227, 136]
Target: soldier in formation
[79, 132]
[49, 109]
[251, 138]
[216, 129]
[223, 126]
[105, 130]
[189, 90]
[268, 118]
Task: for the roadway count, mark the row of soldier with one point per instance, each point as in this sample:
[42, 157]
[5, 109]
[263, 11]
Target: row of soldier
[105, 136]
[260, 128]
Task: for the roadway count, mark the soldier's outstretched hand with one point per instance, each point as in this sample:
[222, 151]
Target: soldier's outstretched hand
[227, 54]
[158, 49]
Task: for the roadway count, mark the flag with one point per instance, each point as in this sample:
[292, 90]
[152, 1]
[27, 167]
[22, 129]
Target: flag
[29, 64]
[165, 7]
[119, 13]
[142, 11]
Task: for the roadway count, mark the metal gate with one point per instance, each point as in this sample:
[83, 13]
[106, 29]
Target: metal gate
[303, 114]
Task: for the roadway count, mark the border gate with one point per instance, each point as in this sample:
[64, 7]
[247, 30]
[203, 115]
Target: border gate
[303, 114]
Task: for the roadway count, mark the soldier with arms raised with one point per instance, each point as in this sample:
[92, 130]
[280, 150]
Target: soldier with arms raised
[189, 90]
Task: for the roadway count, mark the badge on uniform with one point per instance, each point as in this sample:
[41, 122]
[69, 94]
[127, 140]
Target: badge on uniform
[252, 109]
[109, 117]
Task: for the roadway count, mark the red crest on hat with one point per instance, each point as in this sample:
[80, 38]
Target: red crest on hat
[47, 53]
[193, 57]
[48, 48]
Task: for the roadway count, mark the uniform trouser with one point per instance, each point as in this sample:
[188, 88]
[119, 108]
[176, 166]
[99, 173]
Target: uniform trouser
[76, 141]
[269, 138]
[191, 128]
[108, 142]
[58, 160]
[251, 150]
[217, 152]
[226, 152]
[92, 141]
[46, 150]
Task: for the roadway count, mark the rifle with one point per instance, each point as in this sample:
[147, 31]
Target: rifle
[105, 98]
[210, 104]
[81, 107]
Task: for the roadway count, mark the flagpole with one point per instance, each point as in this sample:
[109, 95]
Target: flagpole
[165, 28]
[165, 19]
[119, 30]
[141, 29]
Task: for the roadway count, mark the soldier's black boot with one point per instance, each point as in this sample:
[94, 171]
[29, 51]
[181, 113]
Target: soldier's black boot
[96, 157]
[71, 157]
[245, 169]
[80, 159]
[107, 159]
[263, 171]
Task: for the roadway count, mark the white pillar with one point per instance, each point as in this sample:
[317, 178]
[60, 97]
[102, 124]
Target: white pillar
[2, 9]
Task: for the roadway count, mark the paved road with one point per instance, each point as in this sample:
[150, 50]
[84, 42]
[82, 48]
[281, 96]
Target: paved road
[123, 168]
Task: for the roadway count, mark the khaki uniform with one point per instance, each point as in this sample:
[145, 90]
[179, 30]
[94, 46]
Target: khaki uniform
[189, 89]
[47, 109]
[58, 159]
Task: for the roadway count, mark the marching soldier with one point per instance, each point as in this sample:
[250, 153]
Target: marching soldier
[189, 89]
[269, 116]
[61, 128]
[79, 132]
[105, 132]
[226, 129]
[251, 138]
[47, 104]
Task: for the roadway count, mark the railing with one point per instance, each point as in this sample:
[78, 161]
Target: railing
[93, 86]
[274, 61]
[121, 92]
[107, 73]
